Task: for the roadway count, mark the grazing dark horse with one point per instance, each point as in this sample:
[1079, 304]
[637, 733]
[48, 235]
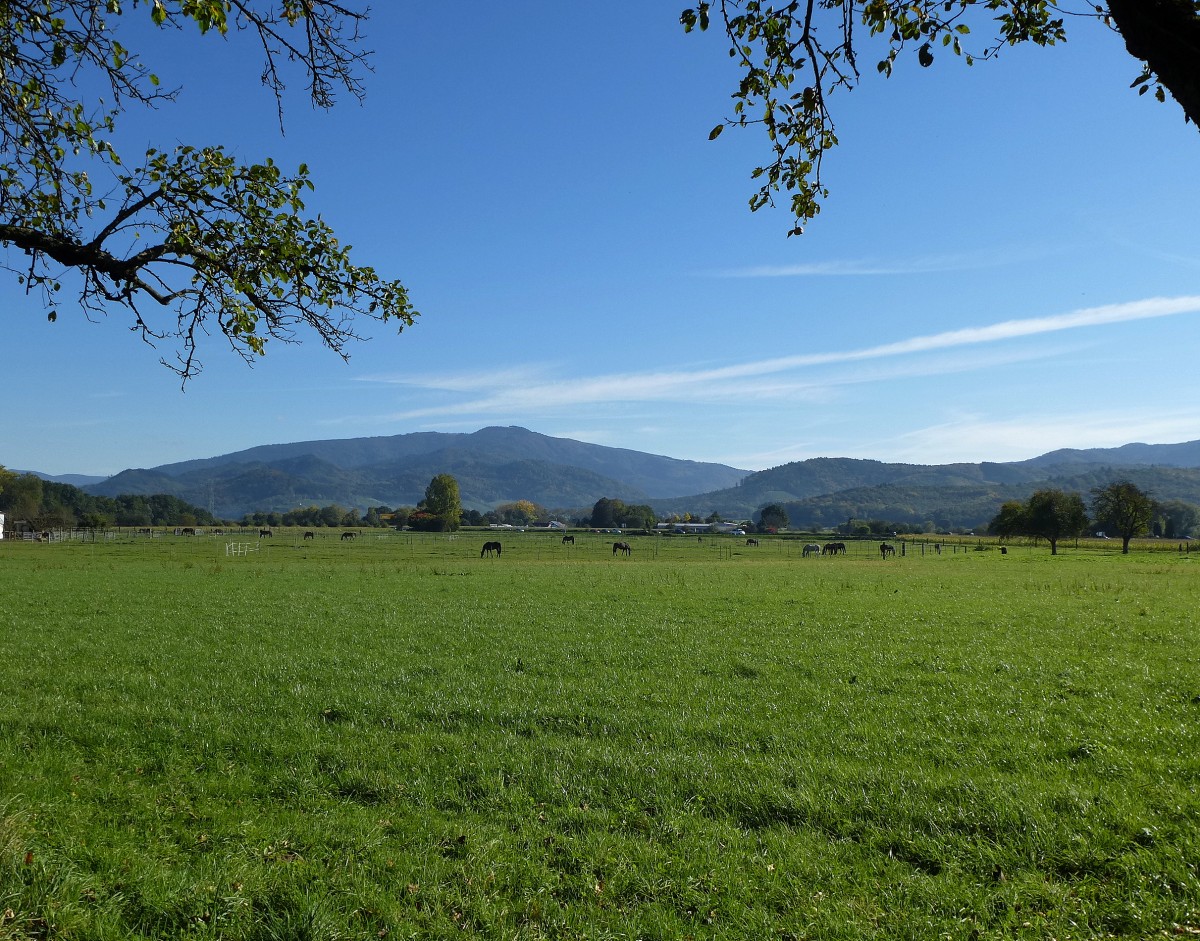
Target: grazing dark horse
[489, 548]
[189, 531]
[886, 549]
[264, 532]
[568, 539]
[811, 549]
[834, 548]
[349, 535]
[622, 547]
[309, 534]
[752, 542]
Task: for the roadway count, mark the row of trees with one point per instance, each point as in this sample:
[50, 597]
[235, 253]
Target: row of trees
[1121, 508]
[46, 504]
[610, 513]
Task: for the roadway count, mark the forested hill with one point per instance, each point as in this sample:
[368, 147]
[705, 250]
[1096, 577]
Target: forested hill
[492, 466]
[824, 492]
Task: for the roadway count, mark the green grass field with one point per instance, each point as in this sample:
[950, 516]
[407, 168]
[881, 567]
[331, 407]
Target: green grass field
[393, 738]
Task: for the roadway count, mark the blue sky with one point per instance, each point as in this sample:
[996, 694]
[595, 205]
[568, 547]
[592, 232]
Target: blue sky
[1009, 261]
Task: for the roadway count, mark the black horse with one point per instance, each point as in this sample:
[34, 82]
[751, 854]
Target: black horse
[568, 539]
[310, 535]
[349, 535]
[622, 547]
[886, 549]
[264, 532]
[752, 542]
[489, 548]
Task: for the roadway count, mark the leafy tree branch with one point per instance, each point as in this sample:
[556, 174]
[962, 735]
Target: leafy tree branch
[189, 242]
[795, 57]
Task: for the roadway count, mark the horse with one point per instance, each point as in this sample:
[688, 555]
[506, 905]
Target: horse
[489, 548]
[752, 542]
[349, 535]
[622, 547]
[264, 532]
[189, 531]
[886, 549]
[811, 549]
[309, 534]
[568, 539]
[839, 548]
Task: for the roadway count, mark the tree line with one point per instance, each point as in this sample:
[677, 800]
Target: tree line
[45, 504]
[1121, 509]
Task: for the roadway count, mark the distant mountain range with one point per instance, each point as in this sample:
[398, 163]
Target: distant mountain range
[500, 465]
[492, 466]
[823, 492]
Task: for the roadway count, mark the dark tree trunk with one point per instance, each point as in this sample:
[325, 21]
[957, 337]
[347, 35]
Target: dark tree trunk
[1165, 34]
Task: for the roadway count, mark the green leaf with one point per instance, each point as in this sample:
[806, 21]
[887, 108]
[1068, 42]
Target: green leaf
[716, 132]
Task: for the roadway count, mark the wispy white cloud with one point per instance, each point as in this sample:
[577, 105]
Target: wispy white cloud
[865, 267]
[529, 390]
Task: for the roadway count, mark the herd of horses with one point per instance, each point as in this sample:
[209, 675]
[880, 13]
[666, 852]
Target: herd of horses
[623, 548]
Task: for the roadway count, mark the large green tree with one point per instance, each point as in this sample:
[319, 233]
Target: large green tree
[795, 57]
[442, 500]
[1055, 515]
[1123, 508]
[186, 240]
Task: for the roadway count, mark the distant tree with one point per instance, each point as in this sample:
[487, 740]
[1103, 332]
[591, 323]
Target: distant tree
[442, 501]
[332, 515]
[94, 521]
[604, 513]
[1010, 521]
[425, 522]
[21, 497]
[401, 514]
[773, 516]
[1055, 515]
[1123, 508]
[1177, 518]
[520, 512]
[637, 516]
[472, 518]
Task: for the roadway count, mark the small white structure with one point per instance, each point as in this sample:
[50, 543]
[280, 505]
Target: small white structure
[1, 525]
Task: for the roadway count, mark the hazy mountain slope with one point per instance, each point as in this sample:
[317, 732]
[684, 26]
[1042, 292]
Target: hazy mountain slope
[1185, 454]
[975, 506]
[232, 490]
[638, 472]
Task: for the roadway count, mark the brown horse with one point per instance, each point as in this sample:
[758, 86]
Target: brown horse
[489, 548]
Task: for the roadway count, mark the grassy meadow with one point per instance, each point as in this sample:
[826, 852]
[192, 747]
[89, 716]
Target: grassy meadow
[393, 738]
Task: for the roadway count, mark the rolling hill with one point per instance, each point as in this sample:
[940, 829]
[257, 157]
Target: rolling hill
[492, 466]
[499, 465]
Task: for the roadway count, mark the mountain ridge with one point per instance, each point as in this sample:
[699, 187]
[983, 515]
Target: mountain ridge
[501, 464]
